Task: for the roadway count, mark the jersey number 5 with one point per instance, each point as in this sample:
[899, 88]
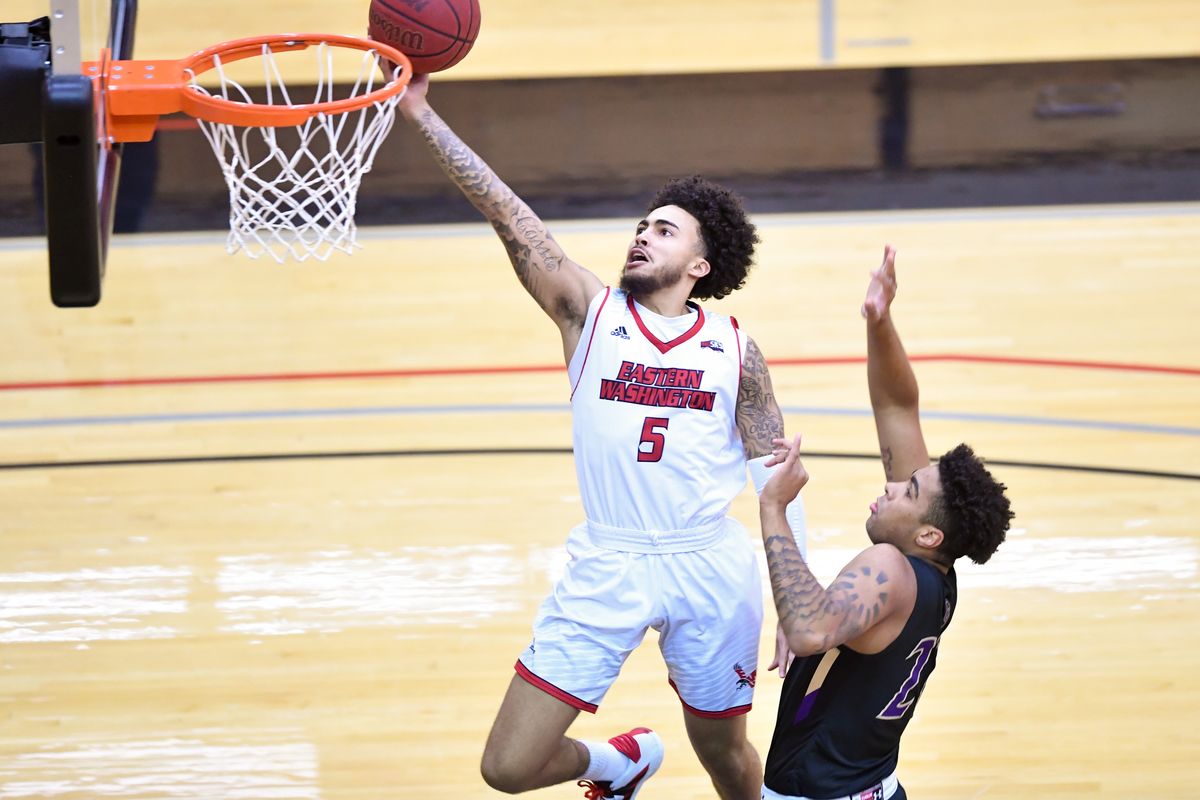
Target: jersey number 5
[655, 438]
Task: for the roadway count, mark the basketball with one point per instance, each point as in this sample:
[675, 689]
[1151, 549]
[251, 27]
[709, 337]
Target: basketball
[434, 34]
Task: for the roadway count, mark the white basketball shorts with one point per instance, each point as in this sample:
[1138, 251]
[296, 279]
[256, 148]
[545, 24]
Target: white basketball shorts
[706, 605]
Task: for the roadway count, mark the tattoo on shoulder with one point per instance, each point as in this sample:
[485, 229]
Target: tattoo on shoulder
[759, 420]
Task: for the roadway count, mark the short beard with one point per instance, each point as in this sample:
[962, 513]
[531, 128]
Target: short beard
[640, 284]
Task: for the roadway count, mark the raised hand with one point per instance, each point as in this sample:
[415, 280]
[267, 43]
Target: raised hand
[882, 289]
[789, 476]
[783, 654]
[414, 95]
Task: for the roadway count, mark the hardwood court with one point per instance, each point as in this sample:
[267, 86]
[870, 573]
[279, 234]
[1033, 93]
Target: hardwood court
[281, 531]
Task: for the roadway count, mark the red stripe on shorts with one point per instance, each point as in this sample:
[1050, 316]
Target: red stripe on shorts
[736, 711]
[554, 691]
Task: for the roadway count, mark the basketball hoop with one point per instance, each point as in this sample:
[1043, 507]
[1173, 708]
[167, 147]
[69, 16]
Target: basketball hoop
[292, 168]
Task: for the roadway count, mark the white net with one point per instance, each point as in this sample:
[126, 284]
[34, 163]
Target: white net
[293, 190]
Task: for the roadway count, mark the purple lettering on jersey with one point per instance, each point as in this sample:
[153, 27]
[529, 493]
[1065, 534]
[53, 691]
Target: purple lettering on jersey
[903, 700]
[806, 706]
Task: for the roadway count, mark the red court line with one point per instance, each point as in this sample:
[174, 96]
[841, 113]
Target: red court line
[1112, 366]
[107, 383]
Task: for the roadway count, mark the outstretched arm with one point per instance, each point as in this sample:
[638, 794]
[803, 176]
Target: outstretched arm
[560, 286]
[893, 386]
[872, 589]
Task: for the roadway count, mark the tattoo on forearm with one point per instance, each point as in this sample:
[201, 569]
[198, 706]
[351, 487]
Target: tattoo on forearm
[799, 597]
[887, 463]
[759, 420]
[803, 603]
[529, 245]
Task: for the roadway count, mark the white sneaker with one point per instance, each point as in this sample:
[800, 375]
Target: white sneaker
[644, 749]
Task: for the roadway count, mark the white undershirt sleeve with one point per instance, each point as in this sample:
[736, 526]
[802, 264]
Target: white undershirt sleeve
[760, 473]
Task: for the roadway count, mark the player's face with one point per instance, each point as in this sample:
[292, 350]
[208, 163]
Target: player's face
[900, 512]
[667, 243]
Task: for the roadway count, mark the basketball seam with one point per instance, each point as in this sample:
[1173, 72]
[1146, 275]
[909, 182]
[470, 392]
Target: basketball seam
[427, 26]
[473, 20]
[454, 59]
[464, 45]
[432, 53]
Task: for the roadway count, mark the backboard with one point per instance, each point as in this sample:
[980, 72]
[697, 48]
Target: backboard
[49, 97]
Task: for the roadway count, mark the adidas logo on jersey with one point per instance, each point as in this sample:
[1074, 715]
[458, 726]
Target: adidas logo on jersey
[619, 331]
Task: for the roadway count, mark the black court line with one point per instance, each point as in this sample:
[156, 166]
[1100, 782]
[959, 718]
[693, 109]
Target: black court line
[528, 451]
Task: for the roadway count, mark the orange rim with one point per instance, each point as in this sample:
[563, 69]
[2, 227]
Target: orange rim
[218, 109]
[138, 92]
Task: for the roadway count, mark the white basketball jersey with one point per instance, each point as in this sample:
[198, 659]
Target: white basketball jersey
[656, 440]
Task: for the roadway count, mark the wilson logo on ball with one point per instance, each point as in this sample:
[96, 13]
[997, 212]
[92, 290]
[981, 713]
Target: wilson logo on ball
[386, 30]
[434, 34]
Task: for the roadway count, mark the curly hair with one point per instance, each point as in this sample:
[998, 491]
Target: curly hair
[972, 511]
[729, 236]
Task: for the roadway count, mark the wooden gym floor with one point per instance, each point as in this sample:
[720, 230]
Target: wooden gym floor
[281, 531]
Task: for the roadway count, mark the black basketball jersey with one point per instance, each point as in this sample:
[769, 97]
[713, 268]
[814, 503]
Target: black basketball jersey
[841, 713]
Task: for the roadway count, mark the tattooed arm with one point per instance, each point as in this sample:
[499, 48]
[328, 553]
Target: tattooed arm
[560, 286]
[759, 419]
[865, 607]
[760, 423]
[893, 386]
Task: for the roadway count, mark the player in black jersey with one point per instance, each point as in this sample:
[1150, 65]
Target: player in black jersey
[865, 645]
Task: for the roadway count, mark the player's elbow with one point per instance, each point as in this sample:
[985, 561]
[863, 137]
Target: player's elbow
[804, 641]
[899, 407]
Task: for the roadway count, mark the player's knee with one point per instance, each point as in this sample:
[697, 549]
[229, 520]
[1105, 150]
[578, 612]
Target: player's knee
[717, 762]
[726, 760]
[501, 774]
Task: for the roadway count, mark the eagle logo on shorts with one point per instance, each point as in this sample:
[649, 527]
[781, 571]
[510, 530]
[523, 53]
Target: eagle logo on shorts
[743, 678]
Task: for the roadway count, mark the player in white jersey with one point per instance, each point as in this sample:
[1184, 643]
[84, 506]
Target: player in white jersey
[670, 403]
[630, 385]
